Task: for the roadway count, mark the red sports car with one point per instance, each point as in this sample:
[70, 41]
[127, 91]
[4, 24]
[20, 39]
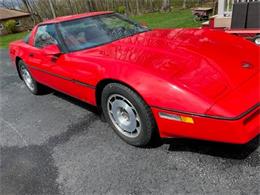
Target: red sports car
[195, 83]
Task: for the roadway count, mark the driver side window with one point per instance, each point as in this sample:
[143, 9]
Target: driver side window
[46, 35]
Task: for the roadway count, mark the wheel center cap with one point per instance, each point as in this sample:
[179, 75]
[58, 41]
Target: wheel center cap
[123, 115]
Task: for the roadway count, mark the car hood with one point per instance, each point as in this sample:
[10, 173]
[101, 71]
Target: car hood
[206, 62]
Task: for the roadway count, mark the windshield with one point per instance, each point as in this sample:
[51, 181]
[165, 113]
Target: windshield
[94, 31]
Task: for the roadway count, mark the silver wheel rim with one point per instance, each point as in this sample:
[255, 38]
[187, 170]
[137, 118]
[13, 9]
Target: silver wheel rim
[124, 116]
[27, 78]
[257, 41]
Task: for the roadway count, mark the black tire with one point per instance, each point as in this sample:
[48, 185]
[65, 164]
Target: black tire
[36, 88]
[148, 125]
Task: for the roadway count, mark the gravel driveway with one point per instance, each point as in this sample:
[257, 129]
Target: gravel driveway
[54, 144]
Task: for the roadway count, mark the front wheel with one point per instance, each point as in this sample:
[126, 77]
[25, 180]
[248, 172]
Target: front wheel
[128, 114]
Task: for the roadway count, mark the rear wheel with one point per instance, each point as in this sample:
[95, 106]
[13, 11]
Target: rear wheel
[256, 40]
[128, 114]
[33, 86]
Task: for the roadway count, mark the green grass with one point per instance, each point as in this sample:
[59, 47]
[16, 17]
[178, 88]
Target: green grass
[181, 18]
[176, 19]
[6, 39]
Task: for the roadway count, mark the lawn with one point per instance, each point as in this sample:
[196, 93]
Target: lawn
[6, 39]
[175, 19]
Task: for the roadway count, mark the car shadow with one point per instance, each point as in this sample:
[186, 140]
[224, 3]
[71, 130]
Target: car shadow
[224, 150]
[230, 151]
[76, 102]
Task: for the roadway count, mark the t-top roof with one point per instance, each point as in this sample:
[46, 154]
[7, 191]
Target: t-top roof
[73, 17]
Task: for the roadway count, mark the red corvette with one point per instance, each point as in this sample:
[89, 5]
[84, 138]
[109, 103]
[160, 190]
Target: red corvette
[195, 83]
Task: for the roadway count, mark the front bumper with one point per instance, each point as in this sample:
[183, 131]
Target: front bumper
[238, 130]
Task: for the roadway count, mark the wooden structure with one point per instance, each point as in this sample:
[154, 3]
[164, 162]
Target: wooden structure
[240, 18]
[202, 13]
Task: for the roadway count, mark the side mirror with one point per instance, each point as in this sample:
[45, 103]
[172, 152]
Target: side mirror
[53, 50]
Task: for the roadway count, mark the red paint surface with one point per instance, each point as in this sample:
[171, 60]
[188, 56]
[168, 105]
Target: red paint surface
[190, 70]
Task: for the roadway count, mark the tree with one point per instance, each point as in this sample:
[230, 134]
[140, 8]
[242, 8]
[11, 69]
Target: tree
[184, 4]
[52, 9]
[29, 9]
[166, 5]
[137, 7]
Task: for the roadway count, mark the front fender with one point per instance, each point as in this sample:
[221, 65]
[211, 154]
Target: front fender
[158, 92]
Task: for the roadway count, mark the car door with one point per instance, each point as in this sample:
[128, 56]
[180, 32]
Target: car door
[55, 71]
[36, 60]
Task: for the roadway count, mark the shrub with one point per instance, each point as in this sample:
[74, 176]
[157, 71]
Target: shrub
[10, 26]
[121, 10]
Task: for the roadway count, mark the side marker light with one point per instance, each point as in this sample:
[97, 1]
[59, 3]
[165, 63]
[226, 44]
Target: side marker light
[175, 117]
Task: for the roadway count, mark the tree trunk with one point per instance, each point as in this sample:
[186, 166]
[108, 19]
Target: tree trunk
[52, 9]
[165, 5]
[184, 4]
[70, 6]
[29, 9]
[137, 7]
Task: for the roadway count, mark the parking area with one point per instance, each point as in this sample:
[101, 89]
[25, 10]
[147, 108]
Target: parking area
[54, 144]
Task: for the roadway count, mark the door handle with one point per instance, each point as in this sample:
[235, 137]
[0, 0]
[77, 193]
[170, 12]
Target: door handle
[31, 55]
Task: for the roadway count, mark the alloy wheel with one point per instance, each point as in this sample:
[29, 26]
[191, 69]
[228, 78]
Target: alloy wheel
[124, 115]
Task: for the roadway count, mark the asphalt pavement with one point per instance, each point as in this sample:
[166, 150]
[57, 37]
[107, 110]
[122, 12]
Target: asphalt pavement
[54, 144]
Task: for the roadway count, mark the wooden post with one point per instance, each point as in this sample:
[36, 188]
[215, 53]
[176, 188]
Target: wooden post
[221, 7]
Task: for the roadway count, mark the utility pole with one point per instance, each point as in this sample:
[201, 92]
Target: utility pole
[52, 9]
